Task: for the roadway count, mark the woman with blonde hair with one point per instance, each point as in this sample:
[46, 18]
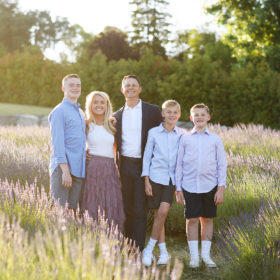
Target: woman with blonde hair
[102, 190]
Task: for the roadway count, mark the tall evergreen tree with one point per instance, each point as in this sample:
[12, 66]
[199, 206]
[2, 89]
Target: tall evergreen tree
[150, 25]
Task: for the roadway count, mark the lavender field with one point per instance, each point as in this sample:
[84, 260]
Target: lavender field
[38, 241]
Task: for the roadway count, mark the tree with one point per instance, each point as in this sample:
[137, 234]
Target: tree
[19, 29]
[252, 28]
[113, 43]
[150, 24]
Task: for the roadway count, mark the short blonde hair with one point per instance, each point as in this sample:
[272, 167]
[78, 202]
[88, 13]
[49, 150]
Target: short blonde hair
[170, 103]
[108, 125]
[200, 106]
[68, 77]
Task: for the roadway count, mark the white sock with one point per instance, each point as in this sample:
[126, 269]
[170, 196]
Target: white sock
[205, 249]
[162, 248]
[151, 244]
[193, 246]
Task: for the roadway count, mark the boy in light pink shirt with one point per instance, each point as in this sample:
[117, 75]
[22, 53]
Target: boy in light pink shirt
[200, 182]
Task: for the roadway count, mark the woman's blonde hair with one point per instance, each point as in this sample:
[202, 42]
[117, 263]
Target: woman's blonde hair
[108, 125]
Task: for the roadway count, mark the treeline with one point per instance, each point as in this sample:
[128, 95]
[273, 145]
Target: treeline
[249, 94]
[238, 89]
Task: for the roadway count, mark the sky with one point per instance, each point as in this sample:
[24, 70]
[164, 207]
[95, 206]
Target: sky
[94, 15]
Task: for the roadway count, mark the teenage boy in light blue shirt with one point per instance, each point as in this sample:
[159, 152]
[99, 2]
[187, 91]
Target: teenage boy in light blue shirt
[68, 137]
[159, 163]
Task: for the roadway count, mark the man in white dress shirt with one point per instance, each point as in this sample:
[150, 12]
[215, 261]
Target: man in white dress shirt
[133, 123]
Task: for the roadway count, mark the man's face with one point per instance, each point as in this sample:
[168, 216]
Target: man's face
[131, 88]
[171, 115]
[200, 117]
[72, 89]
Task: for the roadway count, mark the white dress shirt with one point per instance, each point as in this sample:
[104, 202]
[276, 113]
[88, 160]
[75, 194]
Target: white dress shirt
[132, 131]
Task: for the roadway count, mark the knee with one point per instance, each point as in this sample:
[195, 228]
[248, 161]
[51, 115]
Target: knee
[206, 221]
[193, 221]
[162, 212]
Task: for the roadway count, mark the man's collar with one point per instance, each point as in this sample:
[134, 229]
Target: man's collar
[139, 105]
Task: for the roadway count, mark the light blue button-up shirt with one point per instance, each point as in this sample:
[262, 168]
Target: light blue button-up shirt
[201, 162]
[68, 137]
[160, 154]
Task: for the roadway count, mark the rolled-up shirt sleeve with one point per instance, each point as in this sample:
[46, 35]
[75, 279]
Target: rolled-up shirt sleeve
[148, 153]
[179, 165]
[221, 163]
[56, 121]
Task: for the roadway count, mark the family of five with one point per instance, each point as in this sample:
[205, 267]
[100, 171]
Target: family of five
[118, 164]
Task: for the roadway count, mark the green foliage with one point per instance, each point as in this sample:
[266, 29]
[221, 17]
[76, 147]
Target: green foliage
[28, 78]
[19, 29]
[112, 36]
[252, 28]
[150, 25]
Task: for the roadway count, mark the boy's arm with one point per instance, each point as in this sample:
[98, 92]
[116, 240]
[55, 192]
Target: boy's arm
[148, 153]
[179, 165]
[57, 136]
[148, 186]
[222, 172]
[221, 163]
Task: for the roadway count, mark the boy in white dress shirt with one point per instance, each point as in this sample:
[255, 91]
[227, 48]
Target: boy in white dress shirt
[159, 171]
[200, 182]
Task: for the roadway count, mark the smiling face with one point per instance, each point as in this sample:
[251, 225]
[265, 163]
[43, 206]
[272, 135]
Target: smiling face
[131, 89]
[200, 117]
[72, 89]
[98, 105]
[171, 115]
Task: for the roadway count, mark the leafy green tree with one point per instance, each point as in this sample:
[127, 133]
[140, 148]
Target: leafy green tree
[150, 25]
[193, 44]
[112, 42]
[19, 29]
[252, 28]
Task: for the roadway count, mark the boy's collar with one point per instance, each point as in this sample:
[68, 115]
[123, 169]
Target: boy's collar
[175, 129]
[206, 131]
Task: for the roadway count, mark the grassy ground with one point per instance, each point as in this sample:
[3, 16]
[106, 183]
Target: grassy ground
[6, 108]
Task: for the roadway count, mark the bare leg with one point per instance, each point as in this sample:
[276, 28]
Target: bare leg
[160, 217]
[206, 228]
[192, 228]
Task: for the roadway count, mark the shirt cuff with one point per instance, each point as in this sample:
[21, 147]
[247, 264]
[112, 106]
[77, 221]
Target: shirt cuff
[145, 173]
[179, 189]
[61, 160]
[222, 185]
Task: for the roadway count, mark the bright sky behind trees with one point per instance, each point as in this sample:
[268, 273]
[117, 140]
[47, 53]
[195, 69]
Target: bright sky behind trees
[94, 15]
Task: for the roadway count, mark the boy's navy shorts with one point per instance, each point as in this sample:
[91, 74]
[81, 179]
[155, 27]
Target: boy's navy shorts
[161, 193]
[200, 204]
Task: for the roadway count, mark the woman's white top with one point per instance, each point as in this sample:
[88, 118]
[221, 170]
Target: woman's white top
[100, 142]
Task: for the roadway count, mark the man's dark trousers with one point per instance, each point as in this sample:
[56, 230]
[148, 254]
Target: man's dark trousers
[134, 200]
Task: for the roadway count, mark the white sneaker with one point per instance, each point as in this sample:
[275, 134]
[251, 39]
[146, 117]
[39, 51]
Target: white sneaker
[208, 262]
[194, 263]
[147, 257]
[163, 258]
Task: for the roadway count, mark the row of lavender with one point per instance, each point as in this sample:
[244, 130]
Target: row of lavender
[247, 228]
